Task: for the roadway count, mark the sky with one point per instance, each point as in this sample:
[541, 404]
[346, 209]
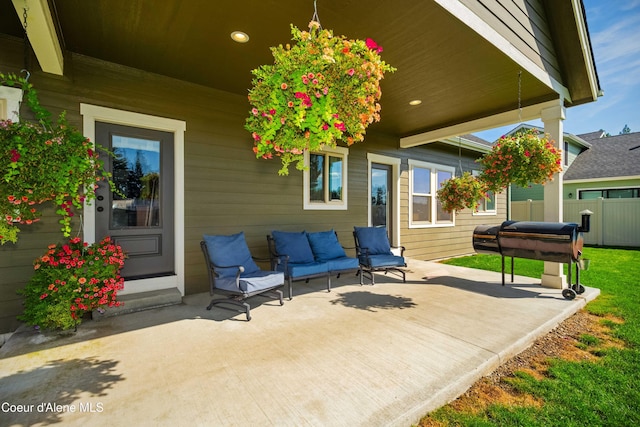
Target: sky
[614, 29]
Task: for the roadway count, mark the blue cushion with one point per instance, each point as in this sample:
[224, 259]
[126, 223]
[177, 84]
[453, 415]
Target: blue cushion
[378, 261]
[375, 239]
[230, 251]
[305, 269]
[296, 245]
[342, 264]
[325, 245]
[256, 282]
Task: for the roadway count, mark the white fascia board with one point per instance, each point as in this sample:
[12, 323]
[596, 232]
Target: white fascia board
[531, 112]
[42, 34]
[585, 46]
[482, 28]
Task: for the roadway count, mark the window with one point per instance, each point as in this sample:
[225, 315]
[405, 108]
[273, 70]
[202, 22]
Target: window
[613, 193]
[424, 208]
[486, 206]
[325, 179]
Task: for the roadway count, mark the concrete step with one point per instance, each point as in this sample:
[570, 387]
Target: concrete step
[142, 301]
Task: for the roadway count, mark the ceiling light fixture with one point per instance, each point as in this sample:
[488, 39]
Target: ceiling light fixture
[240, 36]
[415, 102]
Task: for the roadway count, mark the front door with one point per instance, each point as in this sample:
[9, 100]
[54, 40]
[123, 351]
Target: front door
[139, 214]
[381, 196]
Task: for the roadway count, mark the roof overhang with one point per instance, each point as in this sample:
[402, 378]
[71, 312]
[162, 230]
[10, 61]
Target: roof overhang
[457, 56]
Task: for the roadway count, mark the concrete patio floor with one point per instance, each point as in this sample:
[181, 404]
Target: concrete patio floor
[381, 355]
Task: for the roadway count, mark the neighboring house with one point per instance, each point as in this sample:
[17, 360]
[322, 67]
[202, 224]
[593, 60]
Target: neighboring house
[165, 84]
[610, 168]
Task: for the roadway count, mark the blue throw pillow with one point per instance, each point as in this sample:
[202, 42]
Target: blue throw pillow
[325, 245]
[373, 238]
[230, 250]
[294, 244]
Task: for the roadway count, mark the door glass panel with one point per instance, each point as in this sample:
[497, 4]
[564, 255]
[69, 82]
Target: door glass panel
[379, 196]
[136, 174]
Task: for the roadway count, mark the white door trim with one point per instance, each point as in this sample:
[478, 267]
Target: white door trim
[394, 162]
[91, 114]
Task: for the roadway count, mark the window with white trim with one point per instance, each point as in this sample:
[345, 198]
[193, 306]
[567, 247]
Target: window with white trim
[486, 206]
[325, 179]
[425, 210]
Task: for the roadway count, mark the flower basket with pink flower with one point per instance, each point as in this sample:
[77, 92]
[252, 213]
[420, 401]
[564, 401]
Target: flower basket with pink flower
[71, 279]
[522, 159]
[43, 161]
[322, 89]
[461, 192]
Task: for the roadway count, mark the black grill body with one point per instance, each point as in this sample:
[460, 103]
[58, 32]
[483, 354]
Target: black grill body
[559, 242]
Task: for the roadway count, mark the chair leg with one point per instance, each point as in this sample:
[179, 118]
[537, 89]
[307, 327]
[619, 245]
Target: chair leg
[246, 308]
[290, 288]
[328, 282]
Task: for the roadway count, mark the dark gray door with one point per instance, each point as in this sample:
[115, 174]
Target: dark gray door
[139, 215]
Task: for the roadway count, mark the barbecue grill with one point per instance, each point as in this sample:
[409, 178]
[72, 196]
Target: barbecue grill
[559, 242]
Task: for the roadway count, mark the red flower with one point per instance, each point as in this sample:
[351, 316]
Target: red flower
[15, 156]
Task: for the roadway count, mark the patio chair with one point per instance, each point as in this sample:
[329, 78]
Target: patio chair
[233, 272]
[374, 253]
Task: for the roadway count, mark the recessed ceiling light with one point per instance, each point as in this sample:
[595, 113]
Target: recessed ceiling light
[240, 37]
[415, 102]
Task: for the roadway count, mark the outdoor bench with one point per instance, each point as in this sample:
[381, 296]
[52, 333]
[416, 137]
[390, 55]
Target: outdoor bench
[304, 256]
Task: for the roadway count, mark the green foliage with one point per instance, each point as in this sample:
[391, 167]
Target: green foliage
[70, 280]
[462, 192]
[323, 89]
[43, 161]
[521, 159]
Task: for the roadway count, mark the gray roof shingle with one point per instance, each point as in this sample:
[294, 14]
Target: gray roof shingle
[613, 156]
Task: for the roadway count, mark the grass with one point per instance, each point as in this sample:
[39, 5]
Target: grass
[599, 392]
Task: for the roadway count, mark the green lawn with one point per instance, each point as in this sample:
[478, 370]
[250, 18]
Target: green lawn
[601, 393]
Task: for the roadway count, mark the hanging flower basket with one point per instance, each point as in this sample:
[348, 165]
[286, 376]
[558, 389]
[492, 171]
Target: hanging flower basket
[71, 279]
[42, 161]
[461, 192]
[521, 159]
[322, 89]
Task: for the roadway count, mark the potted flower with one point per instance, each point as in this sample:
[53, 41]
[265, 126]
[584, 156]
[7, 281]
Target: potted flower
[461, 192]
[42, 161]
[322, 89]
[522, 159]
[70, 280]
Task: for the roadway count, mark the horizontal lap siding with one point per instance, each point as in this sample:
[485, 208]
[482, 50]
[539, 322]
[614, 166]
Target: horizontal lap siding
[523, 24]
[226, 189]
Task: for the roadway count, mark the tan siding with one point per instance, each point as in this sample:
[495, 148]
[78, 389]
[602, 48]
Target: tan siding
[523, 23]
[226, 189]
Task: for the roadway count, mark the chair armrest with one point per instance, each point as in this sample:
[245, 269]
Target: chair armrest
[402, 249]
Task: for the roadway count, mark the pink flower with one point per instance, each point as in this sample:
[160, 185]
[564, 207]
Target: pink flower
[373, 45]
[340, 126]
[283, 86]
[351, 71]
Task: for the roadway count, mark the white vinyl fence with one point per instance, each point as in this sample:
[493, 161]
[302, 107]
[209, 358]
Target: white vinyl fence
[615, 222]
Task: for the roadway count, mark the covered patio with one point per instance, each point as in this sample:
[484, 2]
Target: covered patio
[359, 355]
